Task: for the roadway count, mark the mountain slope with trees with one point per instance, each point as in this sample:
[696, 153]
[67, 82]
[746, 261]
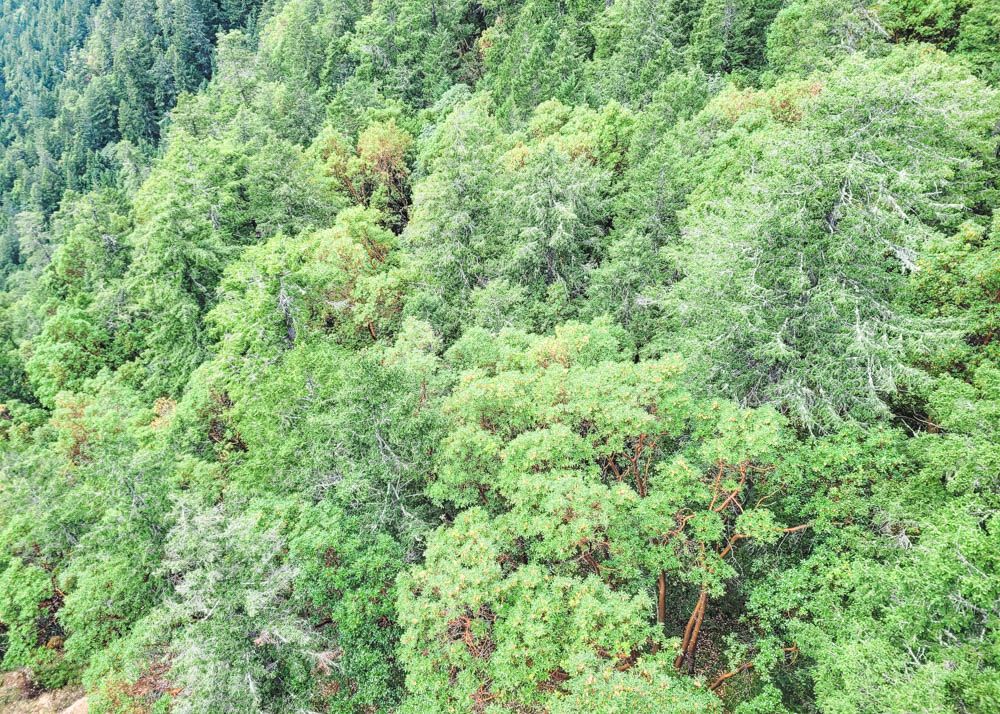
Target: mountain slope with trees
[432, 356]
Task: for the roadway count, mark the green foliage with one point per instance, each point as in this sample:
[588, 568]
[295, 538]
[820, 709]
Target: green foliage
[824, 235]
[84, 81]
[68, 352]
[375, 175]
[27, 592]
[530, 232]
[807, 36]
[430, 357]
[979, 38]
[935, 21]
[635, 46]
[230, 591]
[582, 479]
[198, 210]
[409, 49]
[346, 582]
[958, 280]
[729, 35]
[340, 282]
[537, 55]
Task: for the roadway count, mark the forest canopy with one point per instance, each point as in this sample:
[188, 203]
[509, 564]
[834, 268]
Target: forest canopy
[435, 356]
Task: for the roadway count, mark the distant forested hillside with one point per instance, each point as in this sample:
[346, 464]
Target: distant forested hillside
[434, 356]
[85, 93]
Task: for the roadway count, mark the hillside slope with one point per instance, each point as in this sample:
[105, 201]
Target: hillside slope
[432, 356]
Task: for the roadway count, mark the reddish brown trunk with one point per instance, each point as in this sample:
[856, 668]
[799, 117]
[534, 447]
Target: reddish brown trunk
[693, 645]
[718, 682]
[694, 623]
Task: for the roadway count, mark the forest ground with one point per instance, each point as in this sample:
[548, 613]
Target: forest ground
[17, 696]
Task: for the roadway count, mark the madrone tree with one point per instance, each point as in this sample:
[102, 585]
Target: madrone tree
[598, 510]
